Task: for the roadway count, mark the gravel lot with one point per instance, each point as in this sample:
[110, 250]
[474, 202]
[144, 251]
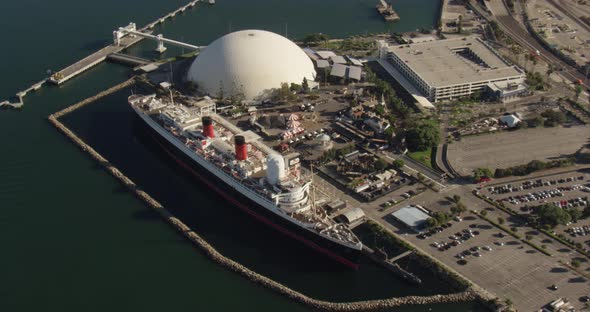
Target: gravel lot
[513, 148]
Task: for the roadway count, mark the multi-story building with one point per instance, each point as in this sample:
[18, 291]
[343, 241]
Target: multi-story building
[454, 68]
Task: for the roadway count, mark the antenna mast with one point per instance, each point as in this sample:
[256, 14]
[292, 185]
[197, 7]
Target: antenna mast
[312, 187]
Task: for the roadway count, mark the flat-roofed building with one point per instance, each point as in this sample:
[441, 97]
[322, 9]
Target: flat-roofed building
[354, 61]
[346, 72]
[338, 59]
[413, 217]
[325, 54]
[451, 68]
[322, 64]
[338, 70]
[355, 73]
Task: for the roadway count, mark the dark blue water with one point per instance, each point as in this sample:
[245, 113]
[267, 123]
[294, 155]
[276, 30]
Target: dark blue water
[74, 240]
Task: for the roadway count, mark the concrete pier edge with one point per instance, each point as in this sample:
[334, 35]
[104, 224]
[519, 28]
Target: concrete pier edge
[470, 294]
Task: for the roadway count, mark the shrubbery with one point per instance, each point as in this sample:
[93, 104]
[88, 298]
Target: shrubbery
[534, 165]
[480, 173]
[553, 118]
[438, 218]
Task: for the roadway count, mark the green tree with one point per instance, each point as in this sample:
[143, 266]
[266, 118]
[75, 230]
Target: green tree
[575, 214]
[305, 85]
[398, 163]
[553, 118]
[390, 134]
[295, 87]
[458, 209]
[284, 93]
[535, 165]
[480, 173]
[484, 213]
[552, 215]
[380, 110]
[424, 135]
[536, 121]
[501, 220]
[431, 223]
[442, 217]
[380, 164]
[535, 81]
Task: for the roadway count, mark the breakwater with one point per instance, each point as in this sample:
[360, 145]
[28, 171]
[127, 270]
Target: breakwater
[213, 254]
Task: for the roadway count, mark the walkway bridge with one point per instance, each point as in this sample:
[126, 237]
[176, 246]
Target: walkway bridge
[133, 32]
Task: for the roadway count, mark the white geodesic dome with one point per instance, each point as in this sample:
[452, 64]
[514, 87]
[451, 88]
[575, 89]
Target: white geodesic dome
[250, 63]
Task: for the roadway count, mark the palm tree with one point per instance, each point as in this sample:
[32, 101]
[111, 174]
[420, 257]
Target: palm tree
[549, 71]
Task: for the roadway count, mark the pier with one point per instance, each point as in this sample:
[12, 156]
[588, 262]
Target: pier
[382, 259]
[125, 41]
[92, 60]
[398, 257]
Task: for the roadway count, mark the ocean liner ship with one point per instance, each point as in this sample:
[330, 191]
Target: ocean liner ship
[246, 172]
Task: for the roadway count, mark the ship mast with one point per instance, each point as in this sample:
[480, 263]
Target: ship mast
[312, 186]
[171, 97]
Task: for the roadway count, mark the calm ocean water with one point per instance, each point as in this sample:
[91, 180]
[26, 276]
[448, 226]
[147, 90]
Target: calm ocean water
[74, 240]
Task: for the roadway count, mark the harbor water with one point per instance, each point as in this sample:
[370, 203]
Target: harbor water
[74, 239]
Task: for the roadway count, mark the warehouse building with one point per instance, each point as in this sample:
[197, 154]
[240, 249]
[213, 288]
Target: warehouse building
[453, 68]
[413, 217]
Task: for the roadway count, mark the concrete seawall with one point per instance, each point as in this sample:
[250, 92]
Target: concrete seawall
[213, 254]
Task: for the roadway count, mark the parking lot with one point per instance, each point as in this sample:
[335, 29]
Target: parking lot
[511, 148]
[567, 190]
[502, 264]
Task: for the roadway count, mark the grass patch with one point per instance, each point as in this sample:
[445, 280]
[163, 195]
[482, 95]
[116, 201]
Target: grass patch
[423, 157]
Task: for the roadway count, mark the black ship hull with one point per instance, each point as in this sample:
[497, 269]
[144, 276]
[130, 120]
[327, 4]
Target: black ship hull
[345, 255]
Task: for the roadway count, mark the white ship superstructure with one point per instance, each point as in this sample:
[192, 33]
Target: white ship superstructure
[242, 161]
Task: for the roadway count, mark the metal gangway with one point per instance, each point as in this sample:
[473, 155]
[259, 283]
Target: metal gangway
[131, 30]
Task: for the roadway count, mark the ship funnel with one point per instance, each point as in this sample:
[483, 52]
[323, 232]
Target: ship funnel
[241, 148]
[208, 127]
